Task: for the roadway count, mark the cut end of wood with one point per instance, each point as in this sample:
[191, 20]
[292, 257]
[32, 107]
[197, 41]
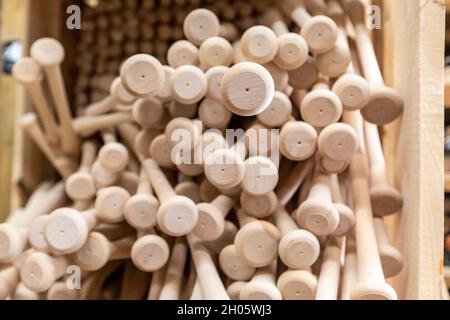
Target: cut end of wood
[47, 52]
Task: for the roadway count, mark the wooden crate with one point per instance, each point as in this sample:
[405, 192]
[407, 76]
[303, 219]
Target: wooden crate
[412, 39]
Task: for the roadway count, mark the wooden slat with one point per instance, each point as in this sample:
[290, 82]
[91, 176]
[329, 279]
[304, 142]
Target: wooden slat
[413, 63]
[447, 87]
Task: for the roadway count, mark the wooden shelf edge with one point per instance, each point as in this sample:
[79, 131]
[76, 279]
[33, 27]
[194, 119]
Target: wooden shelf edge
[447, 183]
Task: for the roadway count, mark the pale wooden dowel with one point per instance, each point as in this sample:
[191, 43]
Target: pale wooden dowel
[328, 284]
[28, 72]
[142, 141]
[117, 95]
[258, 206]
[298, 140]
[386, 199]
[113, 155]
[183, 133]
[317, 213]
[182, 52]
[98, 250]
[320, 32]
[247, 88]
[103, 177]
[234, 289]
[346, 214]
[199, 25]
[297, 285]
[337, 142]
[110, 204]
[261, 175]
[214, 77]
[150, 113]
[142, 75]
[63, 165]
[233, 266]
[87, 126]
[49, 53]
[371, 283]
[329, 166]
[321, 107]
[177, 215]
[211, 218]
[81, 185]
[165, 93]
[336, 61]
[215, 51]
[210, 283]
[188, 189]
[256, 241]
[391, 258]
[350, 268]
[278, 112]
[228, 31]
[305, 76]
[141, 208]
[207, 191]
[292, 48]
[156, 284]
[259, 44]
[23, 293]
[67, 229]
[262, 286]
[385, 104]
[40, 270]
[293, 181]
[189, 84]
[214, 114]
[160, 151]
[9, 279]
[317, 7]
[171, 289]
[225, 167]
[225, 239]
[298, 249]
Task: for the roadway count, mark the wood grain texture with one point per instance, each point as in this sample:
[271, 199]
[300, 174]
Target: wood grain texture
[413, 64]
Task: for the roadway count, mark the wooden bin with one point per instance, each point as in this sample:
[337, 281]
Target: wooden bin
[411, 48]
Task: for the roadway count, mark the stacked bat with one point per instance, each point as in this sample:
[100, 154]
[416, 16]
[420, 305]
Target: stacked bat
[116, 29]
[160, 199]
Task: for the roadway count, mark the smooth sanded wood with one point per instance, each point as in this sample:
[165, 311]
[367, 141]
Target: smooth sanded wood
[150, 253]
[210, 283]
[262, 286]
[298, 249]
[304, 76]
[386, 199]
[317, 214]
[177, 215]
[28, 72]
[189, 84]
[215, 51]
[337, 142]
[214, 77]
[261, 175]
[298, 140]
[49, 53]
[67, 229]
[233, 266]
[211, 218]
[293, 181]
[200, 24]
[259, 44]
[182, 52]
[258, 206]
[297, 285]
[278, 112]
[257, 240]
[391, 258]
[110, 204]
[171, 289]
[86, 126]
[62, 164]
[346, 214]
[328, 284]
[81, 185]
[247, 88]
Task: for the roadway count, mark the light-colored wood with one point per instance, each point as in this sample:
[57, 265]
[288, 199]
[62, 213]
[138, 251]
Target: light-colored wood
[278, 112]
[211, 285]
[328, 284]
[298, 140]
[317, 214]
[256, 241]
[262, 286]
[258, 206]
[49, 53]
[297, 285]
[171, 289]
[422, 121]
[391, 258]
[247, 88]
[215, 51]
[305, 76]
[89, 125]
[259, 44]
[298, 249]
[320, 32]
[337, 142]
[182, 52]
[199, 25]
[214, 114]
[150, 253]
[189, 84]
[261, 175]
[233, 266]
[110, 204]
[214, 77]
[346, 214]
[177, 215]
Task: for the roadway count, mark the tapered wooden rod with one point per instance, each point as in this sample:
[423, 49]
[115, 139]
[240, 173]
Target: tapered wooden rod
[49, 53]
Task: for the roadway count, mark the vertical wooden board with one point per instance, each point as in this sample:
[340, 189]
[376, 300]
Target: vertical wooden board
[414, 64]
